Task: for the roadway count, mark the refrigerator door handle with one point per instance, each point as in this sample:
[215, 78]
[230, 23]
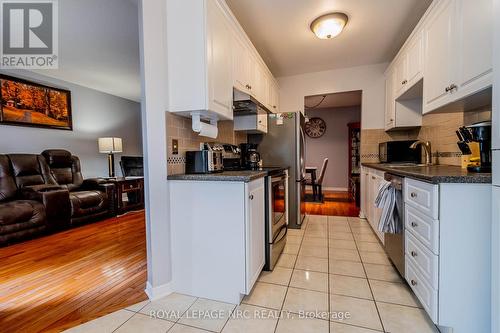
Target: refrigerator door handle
[301, 151]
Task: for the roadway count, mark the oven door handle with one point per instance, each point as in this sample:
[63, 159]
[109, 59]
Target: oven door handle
[279, 232]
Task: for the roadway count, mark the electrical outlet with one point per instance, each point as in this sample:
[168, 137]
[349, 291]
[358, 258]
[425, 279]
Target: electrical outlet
[175, 146]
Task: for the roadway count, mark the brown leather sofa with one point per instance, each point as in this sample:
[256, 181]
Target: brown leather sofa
[40, 194]
[90, 199]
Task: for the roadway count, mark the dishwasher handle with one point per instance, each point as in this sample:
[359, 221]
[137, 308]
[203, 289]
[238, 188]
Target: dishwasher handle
[396, 181]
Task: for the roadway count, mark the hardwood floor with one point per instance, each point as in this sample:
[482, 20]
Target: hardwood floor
[59, 281]
[334, 204]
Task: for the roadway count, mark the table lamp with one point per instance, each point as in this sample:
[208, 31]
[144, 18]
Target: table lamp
[110, 146]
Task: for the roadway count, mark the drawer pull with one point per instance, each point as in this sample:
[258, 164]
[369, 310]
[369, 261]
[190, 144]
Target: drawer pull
[373, 177]
[413, 282]
[413, 194]
[414, 224]
[251, 196]
[413, 253]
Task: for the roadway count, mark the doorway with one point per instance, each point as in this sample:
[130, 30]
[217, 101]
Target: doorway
[333, 136]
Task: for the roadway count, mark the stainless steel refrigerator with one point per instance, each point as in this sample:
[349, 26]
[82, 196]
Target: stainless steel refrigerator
[284, 145]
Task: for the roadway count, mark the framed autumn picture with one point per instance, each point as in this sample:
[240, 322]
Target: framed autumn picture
[26, 103]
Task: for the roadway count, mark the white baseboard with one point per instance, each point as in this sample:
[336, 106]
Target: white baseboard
[155, 293]
[336, 189]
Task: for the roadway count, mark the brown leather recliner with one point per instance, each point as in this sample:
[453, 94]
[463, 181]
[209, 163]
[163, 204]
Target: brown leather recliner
[22, 214]
[90, 199]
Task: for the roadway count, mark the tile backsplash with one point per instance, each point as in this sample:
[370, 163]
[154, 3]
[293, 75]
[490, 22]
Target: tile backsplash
[179, 128]
[438, 128]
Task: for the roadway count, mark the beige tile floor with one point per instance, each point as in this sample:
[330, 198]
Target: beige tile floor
[333, 269]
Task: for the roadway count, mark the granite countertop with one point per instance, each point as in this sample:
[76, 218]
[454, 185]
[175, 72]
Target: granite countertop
[434, 174]
[229, 176]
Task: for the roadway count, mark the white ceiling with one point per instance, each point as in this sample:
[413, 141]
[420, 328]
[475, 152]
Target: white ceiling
[280, 31]
[337, 100]
[99, 46]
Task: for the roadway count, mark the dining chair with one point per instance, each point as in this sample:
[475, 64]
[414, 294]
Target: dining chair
[318, 184]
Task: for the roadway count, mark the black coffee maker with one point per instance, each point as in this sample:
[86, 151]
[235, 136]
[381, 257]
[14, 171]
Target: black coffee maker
[250, 157]
[480, 133]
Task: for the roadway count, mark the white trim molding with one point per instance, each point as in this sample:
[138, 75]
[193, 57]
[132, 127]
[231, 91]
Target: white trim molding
[158, 292]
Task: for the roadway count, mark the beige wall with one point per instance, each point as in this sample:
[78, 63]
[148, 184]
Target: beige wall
[438, 128]
[369, 79]
[180, 128]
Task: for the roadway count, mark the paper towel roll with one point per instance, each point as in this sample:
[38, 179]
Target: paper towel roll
[208, 130]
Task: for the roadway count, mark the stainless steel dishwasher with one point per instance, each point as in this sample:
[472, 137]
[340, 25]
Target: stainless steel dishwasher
[395, 243]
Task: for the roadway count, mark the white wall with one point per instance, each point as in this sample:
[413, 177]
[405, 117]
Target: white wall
[95, 114]
[369, 79]
[152, 36]
[334, 145]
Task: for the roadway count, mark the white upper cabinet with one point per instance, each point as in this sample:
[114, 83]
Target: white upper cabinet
[199, 58]
[400, 70]
[408, 68]
[415, 60]
[475, 38]
[274, 98]
[458, 56]
[390, 102]
[209, 54]
[403, 88]
[220, 96]
[242, 64]
[438, 56]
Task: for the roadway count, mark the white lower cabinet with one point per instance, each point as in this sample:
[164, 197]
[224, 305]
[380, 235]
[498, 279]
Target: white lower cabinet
[424, 228]
[427, 295]
[447, 252]
[254, 233]
[372, 179]
[421, 257]
[217, 228]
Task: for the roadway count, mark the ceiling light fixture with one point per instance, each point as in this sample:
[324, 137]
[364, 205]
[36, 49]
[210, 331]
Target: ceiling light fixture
[329, 25]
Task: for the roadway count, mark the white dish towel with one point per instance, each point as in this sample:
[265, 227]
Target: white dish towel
[387, 199]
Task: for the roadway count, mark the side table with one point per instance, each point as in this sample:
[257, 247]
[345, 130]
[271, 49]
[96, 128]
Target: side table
[129, 193]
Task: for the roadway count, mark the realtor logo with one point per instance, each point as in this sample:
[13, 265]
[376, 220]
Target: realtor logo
[29, 34]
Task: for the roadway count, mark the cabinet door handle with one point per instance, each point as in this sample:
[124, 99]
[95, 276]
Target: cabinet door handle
[414, 224]
[274, 106]
[251, 196]
[413, 194]
[453, 86]
[404, 82]
[413, 282]
[373, 177]
[413, 253]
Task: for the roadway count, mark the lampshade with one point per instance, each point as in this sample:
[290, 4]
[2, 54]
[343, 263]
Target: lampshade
[110, 145]
[329, 25]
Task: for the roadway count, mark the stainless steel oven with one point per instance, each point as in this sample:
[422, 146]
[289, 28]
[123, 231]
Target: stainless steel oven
[277, 217]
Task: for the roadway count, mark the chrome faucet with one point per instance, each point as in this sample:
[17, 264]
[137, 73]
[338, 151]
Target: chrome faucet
[428, 150]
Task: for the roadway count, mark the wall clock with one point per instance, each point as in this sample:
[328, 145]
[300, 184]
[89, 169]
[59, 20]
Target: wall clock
[315, 127]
